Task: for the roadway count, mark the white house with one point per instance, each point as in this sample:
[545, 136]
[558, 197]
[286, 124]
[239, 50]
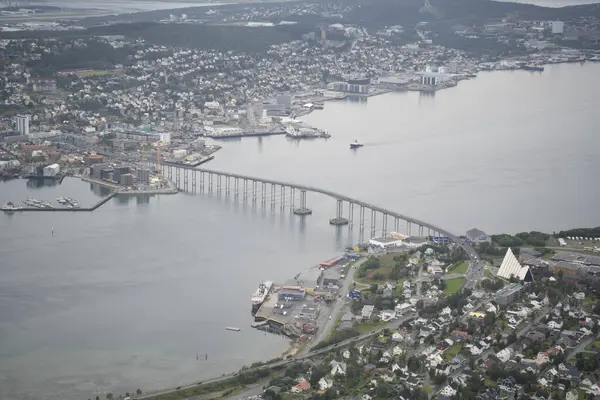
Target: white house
[397, 337]
[338, 368]
[397, 351]
[448, 391]
[346, 354]
[325, 383]
[505, 355]
[555, 324]
[446, 311]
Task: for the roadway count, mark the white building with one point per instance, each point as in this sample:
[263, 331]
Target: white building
[511, 267]
[22, 121]
[165, 137]
[367, 311]
[385, 242]
[558, 27]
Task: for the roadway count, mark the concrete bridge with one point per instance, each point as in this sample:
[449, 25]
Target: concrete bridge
[250, 188]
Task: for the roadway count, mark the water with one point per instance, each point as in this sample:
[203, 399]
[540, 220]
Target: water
[126, 296]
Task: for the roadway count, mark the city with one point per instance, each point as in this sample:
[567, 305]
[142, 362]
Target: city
[143, 104]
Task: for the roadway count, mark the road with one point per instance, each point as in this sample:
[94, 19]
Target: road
[335, 310]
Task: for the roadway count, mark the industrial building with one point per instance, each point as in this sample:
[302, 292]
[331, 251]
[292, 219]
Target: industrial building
[386, 242]
[332, 276]
[509, 293]
[291, 293]
[476, 236]
[348, 87]
[92, 159]
[51, 170]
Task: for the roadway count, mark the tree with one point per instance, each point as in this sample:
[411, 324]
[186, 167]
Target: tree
[384, 391]
[109, 396]
[138, 392]
[373, 288]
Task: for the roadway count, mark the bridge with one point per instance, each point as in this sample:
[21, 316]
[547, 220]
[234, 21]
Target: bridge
[252, 189]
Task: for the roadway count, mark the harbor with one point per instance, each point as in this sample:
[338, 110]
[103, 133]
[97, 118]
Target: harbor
[299, 307]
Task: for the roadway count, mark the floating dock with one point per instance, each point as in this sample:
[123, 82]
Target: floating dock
[98, 204]
[231, 328]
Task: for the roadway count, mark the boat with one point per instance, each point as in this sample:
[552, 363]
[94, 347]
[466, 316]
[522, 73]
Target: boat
[262, 291]
[61, 200]
[532, 67]
[231, 328]
[594, 59]
[10, 207]
[355, 145]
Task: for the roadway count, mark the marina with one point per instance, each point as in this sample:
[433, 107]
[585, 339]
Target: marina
[67, 204]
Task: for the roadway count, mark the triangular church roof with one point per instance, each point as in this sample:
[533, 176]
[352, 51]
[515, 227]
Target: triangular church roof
[511, 267]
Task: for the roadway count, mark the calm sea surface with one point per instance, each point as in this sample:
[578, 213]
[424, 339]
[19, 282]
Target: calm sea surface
[126, 296]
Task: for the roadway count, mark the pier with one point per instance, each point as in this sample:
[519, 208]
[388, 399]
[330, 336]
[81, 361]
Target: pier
[95, 206]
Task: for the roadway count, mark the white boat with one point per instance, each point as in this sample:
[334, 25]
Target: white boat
[355, 145]
[262, 291]
[8, 207]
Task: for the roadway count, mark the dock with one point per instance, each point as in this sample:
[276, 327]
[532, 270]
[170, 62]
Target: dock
[94, 207]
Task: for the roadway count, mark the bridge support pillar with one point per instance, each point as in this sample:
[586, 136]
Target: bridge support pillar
[396, 224]
[177, 175]
[292, 199]
[185, 180]
[339, 220]
[350, 213]
[384, 226]
[170, 172]
[237, 187]
[218, 184]
[361, 218]
[194, 182]
[202, 181]
[227, 186]
[373, 223]
[273, 190]
[282, 195]
[245, 195]
[302, 210]
[420, 231]
[253, 192]
[408, 226]
[263, 189]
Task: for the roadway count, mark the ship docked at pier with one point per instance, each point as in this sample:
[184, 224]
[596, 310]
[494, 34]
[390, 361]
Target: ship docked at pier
[262, 291]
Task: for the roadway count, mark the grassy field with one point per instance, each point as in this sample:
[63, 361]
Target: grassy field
[93, 72]
[451, 352]
[385, 268]
[488, 274]
[453, 286]
[368, 327]
[458, 268]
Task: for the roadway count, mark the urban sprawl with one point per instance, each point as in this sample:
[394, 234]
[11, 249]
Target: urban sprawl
[111, 99]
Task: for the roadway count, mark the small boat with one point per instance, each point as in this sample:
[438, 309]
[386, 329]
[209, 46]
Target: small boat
[230, 328]
[355, 145]
[532, 67]
[10, 207]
